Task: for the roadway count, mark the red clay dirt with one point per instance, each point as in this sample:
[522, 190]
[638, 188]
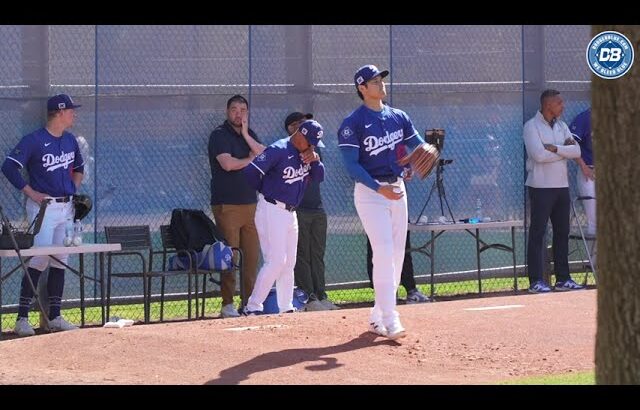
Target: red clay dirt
[447, 343]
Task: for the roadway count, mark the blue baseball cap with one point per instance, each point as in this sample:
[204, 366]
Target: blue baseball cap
[61, 102]
[312, 131]
[366, 73]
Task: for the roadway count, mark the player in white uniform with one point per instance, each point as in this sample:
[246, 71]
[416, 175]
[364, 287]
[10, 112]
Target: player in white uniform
[368, 139]
[281, 174]
[55, 167]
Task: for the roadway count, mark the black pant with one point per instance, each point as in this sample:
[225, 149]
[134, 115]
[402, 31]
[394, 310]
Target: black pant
[554, 204]
[312, 238]
[406, 277]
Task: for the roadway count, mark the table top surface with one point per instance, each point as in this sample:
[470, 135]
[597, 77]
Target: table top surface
[59, 249]
[428, 227]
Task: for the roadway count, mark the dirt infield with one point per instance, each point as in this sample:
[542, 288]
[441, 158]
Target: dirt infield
[473, 341]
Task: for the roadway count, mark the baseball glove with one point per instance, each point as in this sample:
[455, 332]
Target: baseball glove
[82, 204]
[422, 160]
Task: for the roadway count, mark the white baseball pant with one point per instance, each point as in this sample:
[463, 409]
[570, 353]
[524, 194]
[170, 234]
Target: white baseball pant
[51, 232]
[385, 222]
[278, 235]
[587, 187]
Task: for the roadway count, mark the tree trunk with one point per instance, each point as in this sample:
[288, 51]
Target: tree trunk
[616, 145]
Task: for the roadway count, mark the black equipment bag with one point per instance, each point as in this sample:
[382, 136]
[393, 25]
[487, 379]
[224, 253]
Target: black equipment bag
[193, 229]
[23, 239]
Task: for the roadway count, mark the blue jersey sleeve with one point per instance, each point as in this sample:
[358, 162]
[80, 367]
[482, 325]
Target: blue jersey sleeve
[253, 176]
[18, 158]
[256, 170]
[355, 170]
[577, 128]
[265, 161]
[11, 170]
[21, 153]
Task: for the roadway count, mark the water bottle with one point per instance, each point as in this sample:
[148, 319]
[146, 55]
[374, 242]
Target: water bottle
[77, 233]
[478, 210]
[68, 233]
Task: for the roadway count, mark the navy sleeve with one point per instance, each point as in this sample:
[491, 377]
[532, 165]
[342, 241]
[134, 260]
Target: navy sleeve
[218, 144]
[11, 170]
[317, 171]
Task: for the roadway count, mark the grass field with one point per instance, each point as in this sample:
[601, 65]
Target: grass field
[583, 378]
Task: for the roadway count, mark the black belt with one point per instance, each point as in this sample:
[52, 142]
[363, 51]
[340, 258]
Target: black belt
[62, 199]
[288, 207]
[389, 179]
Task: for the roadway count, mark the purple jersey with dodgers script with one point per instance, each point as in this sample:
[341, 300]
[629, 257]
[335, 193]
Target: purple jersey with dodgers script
[377, 135]
[581, 130]
[284, 175]
[49, 161]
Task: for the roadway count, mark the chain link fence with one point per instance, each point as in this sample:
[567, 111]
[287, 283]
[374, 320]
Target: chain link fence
[151, 95]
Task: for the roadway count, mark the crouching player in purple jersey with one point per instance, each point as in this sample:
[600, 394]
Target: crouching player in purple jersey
[281, 174]
[55, 167]
[368, 139]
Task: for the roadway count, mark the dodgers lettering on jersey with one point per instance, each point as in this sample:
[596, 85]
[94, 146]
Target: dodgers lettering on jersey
[49, 161]
[377, 135]
[285, 176]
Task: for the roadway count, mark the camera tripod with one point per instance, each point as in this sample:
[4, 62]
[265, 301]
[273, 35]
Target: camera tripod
[439, 185]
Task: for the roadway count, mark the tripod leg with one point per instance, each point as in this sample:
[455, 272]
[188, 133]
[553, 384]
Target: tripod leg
[43, 295]
[449, 208]
[443, 195]
[433, 187]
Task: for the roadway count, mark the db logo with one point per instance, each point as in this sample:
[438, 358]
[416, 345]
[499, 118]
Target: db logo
[610, 55]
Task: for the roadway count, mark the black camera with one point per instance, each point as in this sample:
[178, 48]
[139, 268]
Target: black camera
[435, 137]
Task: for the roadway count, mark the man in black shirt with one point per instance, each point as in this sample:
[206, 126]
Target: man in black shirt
[232, 146]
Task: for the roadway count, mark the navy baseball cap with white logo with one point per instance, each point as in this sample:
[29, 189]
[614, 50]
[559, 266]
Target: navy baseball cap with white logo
[312, 131]
[367, 72]
[61, 102]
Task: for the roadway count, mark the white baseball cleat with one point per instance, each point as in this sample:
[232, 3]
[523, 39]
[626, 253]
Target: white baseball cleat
[59, 324]
[395, 330]
[23, 328]
[229, 311]
[378, 329]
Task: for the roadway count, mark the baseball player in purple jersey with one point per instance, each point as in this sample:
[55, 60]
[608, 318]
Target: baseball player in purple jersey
[368, 139]
[581, 130]
[55, 167]
[281, 174]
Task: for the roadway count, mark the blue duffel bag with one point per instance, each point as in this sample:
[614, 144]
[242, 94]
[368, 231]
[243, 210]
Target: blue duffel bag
[270, 305]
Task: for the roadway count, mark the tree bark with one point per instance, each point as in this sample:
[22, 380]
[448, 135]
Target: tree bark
[616, 145]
